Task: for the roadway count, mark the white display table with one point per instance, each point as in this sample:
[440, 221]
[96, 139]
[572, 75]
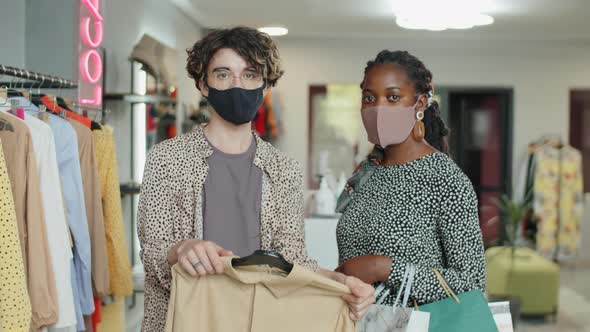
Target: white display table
[320, 238]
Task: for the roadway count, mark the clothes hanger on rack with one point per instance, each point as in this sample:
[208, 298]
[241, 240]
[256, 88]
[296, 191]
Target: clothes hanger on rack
[15, 106]
[11, 90]
[103, 116]
[84, 110]
[14, 93]
[25, 97]
[553, 140]
[3, 95]
[17, 91]
[264, 257]
[62, 103]
[51, 102]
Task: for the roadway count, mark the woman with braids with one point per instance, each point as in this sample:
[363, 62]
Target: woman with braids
[409, 203]
[220, 189]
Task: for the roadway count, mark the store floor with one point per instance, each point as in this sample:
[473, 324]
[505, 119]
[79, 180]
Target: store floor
[134, 315]
[573, 316]
[574, 302]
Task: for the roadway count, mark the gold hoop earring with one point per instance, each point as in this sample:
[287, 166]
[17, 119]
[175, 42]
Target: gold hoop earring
[419, 129]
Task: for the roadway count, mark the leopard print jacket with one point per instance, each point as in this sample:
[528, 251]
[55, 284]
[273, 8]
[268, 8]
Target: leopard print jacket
[170, 210]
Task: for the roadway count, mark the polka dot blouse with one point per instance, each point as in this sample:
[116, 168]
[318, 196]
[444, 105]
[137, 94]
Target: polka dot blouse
[423, 212]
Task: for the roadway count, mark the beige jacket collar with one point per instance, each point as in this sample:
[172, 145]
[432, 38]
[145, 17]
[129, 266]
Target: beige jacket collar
[278, 282]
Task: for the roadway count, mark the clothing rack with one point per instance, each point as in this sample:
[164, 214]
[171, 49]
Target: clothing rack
[556, 142]
[35, 80]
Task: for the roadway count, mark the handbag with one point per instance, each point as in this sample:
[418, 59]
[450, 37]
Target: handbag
[502, 316]
[397, 318]
[466, 312]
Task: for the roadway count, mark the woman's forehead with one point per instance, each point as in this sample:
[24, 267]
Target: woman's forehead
[387, 75]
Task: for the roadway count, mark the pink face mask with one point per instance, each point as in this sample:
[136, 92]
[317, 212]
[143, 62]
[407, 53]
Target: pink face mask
[388, 125]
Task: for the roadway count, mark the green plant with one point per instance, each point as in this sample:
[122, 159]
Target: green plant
[512, 214]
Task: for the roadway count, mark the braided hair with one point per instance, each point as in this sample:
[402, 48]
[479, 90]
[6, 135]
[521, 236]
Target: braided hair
[436, 130]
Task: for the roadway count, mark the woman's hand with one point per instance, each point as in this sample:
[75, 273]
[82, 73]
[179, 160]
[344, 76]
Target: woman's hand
[198, 257]
[370, 269]
[362, 294]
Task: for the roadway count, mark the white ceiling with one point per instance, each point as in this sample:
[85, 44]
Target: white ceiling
[514, 19]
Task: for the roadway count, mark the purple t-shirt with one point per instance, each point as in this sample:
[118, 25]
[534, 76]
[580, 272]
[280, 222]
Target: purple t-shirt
[232, 196]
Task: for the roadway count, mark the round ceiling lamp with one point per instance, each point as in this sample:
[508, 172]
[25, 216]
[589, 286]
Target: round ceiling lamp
[274, 31]
[436, 15]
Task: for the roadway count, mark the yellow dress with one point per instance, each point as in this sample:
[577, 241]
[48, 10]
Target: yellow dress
[559, 201]
[119, 266]
[15, 306]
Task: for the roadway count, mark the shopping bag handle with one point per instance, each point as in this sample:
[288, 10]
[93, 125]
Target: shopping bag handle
[388, 290]
[407, 281]
[378, 291]
[410, 281]
[445, 286]
[405, 287]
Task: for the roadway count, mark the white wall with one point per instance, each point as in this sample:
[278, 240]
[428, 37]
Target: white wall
[52, 50]
[27, 42]
[12, 33]
[541, 74]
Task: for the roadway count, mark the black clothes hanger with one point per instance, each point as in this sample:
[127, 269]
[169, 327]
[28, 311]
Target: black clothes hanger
[14, 93]
[95, 125]
[36, 98]
[62, 103]
[264, 257]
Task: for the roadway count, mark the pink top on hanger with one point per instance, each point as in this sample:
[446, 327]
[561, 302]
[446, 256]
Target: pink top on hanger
[20, 113]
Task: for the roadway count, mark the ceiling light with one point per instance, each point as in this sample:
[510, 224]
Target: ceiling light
[436, 15]
[274, 31]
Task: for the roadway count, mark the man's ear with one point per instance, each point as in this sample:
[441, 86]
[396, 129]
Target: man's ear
[203, 88]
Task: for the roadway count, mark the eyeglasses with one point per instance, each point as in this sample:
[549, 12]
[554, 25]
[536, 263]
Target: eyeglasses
[223, 80]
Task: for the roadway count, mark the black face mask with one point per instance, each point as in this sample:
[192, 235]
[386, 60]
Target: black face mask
[236, 105]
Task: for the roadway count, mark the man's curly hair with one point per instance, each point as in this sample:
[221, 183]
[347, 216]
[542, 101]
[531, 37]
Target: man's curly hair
[257, 48]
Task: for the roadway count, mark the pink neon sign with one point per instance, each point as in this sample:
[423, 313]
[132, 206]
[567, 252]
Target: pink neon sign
[97, 91]
[85, 66]
[94, 7]
[90, 63]
[85, 33]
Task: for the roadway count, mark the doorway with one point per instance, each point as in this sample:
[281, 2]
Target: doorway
[580, 139]
[481, 144]
[580, 129]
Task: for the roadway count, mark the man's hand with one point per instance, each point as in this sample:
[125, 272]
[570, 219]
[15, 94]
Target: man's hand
[198, 257]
